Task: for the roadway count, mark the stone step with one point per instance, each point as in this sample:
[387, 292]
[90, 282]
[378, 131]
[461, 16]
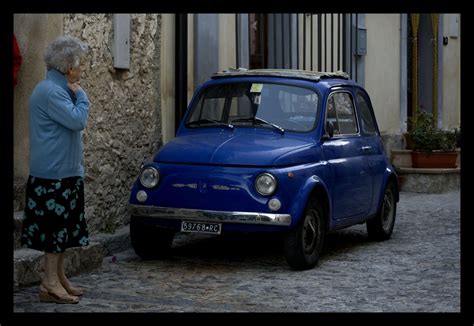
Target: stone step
[17, 218]
[429, 180]
[29, 263]
[19, 188]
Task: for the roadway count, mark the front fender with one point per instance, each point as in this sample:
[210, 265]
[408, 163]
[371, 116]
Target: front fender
[301, 200]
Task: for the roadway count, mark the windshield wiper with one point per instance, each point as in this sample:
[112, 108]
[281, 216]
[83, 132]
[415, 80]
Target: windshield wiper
[220, 123]
[260, 120]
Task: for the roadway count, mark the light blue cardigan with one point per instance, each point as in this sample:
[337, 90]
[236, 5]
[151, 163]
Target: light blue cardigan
[56, 118]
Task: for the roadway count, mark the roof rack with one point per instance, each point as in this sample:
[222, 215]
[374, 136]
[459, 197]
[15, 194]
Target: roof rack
[288, 73]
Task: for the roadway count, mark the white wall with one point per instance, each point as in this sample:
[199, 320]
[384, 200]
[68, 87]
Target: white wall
[382, 69]
[451, 92]
[227, 41]
[167, 77]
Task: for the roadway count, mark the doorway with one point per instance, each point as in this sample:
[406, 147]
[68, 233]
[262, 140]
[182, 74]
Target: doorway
[423, 68]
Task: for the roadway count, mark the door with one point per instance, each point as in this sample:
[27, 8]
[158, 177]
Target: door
[345, 153]
[371, 137]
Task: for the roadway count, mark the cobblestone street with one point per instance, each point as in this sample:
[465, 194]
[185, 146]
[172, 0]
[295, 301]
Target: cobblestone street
[417, 270]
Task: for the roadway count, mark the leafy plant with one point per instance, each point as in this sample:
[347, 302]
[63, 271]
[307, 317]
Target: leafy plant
[457, 131]
[427, 138]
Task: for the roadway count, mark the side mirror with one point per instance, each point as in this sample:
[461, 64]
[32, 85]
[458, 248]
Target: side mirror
[329, 131]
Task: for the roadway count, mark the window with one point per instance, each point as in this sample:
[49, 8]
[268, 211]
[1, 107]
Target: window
[366, 119]
[331, 115]
[293, 108]
[340, 111]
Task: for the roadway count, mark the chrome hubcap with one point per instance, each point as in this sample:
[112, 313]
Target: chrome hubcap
[310, 232]
[387, 210]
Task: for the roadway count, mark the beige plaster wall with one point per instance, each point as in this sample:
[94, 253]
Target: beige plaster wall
[227, 51]
[451, 74]
[382, 68]
[33, 33]
[168, 77]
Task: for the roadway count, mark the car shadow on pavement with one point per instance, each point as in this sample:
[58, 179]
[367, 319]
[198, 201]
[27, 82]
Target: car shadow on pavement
[258, 247]
[345, 240]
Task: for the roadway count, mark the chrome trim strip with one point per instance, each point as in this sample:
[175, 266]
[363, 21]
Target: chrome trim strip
[210, 216]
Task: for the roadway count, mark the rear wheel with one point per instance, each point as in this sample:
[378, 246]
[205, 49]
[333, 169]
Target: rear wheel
[304, 244]
[380, 228]
[149, 241]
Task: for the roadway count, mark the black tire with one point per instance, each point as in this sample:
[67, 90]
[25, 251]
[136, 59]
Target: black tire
[380, 228]
[303, 245]
[149, 241]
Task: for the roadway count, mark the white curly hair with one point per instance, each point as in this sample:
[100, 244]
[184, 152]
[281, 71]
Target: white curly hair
[65, 52]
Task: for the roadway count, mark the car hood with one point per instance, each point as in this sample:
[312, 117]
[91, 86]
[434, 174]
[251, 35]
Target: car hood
[243, 149]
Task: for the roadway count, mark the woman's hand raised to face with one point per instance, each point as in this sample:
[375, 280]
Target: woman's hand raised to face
[74, 86]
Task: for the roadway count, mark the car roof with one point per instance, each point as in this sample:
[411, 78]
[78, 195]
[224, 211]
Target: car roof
[315, 76]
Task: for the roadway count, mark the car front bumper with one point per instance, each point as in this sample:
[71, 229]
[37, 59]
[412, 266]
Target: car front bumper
[210, 216]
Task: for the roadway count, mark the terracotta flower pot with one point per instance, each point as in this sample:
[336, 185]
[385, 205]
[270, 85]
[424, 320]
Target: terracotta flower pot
[434, 159]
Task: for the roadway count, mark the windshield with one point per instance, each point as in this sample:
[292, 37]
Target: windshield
[277, 106]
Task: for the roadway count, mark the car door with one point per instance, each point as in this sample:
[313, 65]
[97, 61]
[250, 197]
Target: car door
[345, 154]
[373, 143]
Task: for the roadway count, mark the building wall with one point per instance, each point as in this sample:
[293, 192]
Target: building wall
[125, 116]
[168, 77]
[33, 33]
[227, 53]
[124, 126]
[382, 62]
[168, 72]
[451, 92]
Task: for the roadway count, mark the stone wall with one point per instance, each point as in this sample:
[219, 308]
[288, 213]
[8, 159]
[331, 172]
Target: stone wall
[124, 126]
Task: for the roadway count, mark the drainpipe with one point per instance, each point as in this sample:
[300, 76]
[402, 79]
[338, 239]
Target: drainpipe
[181, 67]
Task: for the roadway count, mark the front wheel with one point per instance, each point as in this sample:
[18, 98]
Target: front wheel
[149, 241]
[380, 228]
[304, 244]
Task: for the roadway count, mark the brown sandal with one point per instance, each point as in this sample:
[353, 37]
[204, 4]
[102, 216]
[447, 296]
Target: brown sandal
[72, 291]
[48, 296]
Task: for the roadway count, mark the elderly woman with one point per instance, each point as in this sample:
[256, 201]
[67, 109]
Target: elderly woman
[54, 212]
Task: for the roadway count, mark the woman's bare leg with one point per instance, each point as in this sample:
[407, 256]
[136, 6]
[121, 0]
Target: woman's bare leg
[63, 279]
[50, 277]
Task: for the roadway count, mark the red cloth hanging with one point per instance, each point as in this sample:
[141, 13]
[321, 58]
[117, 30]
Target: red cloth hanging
[17, 60]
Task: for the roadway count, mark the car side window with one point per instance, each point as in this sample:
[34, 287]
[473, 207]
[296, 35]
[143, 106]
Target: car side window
[366, 118]
[340, 112]
[331, 115]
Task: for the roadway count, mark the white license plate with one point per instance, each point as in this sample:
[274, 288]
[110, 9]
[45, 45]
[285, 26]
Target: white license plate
[201, 227]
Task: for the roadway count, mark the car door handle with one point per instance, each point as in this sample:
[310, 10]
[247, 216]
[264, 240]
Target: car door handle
[365, 149]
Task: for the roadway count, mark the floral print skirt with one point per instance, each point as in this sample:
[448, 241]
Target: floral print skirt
[54, 214]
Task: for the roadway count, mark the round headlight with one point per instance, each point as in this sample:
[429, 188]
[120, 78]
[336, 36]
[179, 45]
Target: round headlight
[149, 177]
[265, 184]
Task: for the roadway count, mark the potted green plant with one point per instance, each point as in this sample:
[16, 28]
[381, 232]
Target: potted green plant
[432, 147]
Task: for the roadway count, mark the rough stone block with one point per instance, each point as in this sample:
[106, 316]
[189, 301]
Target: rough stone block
[29, 263]
[430, 180]
[17, 219]
[19, 188]
[401, 158]
[113, 243]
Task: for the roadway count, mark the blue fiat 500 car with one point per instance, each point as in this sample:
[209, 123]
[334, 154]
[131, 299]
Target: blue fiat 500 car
[287, 151]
